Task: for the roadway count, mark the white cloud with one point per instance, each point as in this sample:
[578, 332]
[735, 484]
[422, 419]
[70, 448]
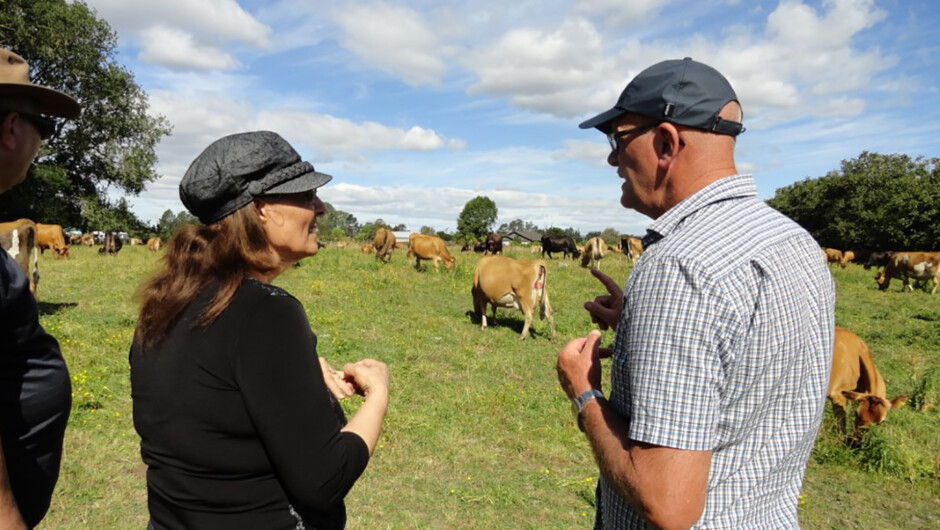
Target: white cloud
[395, 40]
[221, 18]
[590, 152]
[620, 12]
[176, 48]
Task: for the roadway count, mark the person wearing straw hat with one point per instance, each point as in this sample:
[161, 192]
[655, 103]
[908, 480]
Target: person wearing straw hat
[35, 393]
[724, 331]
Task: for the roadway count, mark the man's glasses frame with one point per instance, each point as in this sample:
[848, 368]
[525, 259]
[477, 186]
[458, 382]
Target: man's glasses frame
[45, 126]
[614, 138]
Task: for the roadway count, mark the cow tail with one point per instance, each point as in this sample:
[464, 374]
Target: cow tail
[543, 301]
[36, 268]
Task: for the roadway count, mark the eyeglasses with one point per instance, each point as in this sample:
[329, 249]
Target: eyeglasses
[45, 126]
[614, 137]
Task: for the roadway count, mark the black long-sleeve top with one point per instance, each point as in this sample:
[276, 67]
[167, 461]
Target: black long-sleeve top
[35, 396]
[237, 426]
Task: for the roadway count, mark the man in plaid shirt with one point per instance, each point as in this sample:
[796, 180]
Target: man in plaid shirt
[724, 329]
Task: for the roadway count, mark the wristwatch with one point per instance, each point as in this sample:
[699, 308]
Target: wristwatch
[578, 403]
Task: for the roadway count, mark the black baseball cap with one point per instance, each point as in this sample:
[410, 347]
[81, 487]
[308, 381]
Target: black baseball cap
[236, 169]
[684, 92]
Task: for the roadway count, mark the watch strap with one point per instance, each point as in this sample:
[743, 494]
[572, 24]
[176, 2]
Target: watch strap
[585, 397]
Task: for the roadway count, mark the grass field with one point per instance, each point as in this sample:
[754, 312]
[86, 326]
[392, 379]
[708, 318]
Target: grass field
[478, 434]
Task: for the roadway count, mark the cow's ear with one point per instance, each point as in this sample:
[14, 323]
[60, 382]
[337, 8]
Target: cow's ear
[854, 396]
[898, 402]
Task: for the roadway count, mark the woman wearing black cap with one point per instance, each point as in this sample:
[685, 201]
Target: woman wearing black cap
[238, 418]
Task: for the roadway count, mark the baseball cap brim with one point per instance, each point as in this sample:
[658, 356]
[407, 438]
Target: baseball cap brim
[306, 182]
[602, 121]
[43, 100]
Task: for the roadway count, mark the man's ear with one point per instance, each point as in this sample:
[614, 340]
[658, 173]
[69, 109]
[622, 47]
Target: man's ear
[666, 144]
[7, 133]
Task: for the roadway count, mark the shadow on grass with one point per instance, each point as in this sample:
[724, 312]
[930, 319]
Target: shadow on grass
[51, 308]
[504, 320]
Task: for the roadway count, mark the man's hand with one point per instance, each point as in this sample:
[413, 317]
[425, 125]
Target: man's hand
[579, 365]
[605, 310]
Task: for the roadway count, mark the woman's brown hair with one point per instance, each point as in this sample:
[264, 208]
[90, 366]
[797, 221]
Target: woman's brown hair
[225, 252]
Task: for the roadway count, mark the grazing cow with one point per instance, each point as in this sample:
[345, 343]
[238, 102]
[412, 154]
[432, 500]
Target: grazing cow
[593, 253]
[154, 244]
[18, 238]
[75, 239]
[631, 247]
[563, 244]
[112, 244]
[847, 257]
[429, 248]
[88, 240]
[342, 244]
[465, 247]
[878, 259]
[505, 282]
[854, 376]
[367, 248]
[535, 248]
[494, 244]
[136, 241]
[479, 247]
[832, 255]
[911, 265]
[384, 243]
[53, 238]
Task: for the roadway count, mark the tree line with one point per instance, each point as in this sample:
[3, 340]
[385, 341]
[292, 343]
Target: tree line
[873, 202]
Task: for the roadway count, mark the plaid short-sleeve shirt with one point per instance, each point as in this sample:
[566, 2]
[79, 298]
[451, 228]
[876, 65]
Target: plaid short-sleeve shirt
[725, 344]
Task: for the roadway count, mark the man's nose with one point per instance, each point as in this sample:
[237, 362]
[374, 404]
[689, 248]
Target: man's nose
[612, 158]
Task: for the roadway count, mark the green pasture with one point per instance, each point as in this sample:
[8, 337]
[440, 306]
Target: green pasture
[478, 434]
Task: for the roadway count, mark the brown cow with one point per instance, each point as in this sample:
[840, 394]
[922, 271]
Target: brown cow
[593, 253]
[75, 240]
[907, 265]
[154, 244]
[847, 257]
[53, 238]
[426, 247]
[855, 376]
[367, 248]
[342, 244]
[505, 282]
[135, 241]
[494, 244]
[832, 255]
[18, 238]
[632, 247]
[384, 243]
[88, 240]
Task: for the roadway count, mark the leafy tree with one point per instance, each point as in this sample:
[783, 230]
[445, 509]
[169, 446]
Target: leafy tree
[445, 236]
[555, 231]
[476, 218]
[610, 236]
[114, 218]
[517, 225]
[427, 230]
[169, 222]
[875, 201]
[337, 219]
[110, 145]
[400, 227]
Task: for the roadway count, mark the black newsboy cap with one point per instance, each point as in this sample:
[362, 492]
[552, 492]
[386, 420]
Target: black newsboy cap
[236, 169]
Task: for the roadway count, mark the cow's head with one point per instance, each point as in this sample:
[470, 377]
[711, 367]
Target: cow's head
[450, 263]
[576, 253]
[882, 280]
[871, 408]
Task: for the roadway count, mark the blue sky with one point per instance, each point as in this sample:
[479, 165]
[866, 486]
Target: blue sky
[416, 107]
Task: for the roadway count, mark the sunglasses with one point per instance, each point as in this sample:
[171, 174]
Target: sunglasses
[614, 138]
[45, 126]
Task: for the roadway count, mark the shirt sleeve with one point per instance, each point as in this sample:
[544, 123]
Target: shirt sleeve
[277, 370]
[669, 343]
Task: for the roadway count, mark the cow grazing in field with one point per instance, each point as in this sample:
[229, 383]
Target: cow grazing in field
[854, 376]
[367, 248]
[878, 259]
[88, 240]
[112, 244]
[53, 238]
[384, 243]
[593, 253]
[75, 239]
[505, 282]
[832, 255]
[425, 247]
[342, 244]
[535, 248]
[135, 241]
[18, 238]
[494, 244]
[847, 257]
[154, 244]
[911, 265]
[631, 247]
[563, 244]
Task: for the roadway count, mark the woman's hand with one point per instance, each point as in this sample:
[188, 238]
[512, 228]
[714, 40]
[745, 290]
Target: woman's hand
[367, 376]
[336, 381]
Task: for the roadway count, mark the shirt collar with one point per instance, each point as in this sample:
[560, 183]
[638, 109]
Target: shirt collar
[733, 187]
